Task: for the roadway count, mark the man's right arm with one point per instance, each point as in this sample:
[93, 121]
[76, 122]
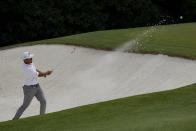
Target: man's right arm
[41, 74]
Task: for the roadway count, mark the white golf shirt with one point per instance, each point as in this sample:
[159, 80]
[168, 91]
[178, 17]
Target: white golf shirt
[30, 74]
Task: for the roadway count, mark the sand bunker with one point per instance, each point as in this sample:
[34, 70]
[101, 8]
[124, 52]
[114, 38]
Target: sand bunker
[87, 76]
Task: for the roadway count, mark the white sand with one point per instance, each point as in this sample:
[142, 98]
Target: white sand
[88, 76]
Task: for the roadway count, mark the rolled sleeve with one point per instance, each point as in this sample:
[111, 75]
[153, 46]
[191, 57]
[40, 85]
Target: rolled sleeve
[33, 72]
[37, 73]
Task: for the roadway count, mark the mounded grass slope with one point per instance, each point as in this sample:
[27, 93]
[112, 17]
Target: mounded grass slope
[174, 40]
[173, 110]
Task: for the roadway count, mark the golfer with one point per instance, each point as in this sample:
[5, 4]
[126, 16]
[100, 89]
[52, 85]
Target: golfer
[31, 86]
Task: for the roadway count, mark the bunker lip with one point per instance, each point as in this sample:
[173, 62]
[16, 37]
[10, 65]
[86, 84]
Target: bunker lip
[97, 48]
[158, 53]
[88, 76]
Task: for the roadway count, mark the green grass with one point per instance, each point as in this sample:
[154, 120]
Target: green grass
[109, 39]
[173, 110]
[177, 40]
[165, 111]
[174, 40]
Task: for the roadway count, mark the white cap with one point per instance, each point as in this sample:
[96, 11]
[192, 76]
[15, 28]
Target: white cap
[27, 55]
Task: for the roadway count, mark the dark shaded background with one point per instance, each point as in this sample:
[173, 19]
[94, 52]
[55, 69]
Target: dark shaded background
[29, 20]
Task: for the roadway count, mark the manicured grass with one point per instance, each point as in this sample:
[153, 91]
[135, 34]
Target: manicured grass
[109, 39]
[174, 40]
[173, 110]
[177, 40]
[165, 111]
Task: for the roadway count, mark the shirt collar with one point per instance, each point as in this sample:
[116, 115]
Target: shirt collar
[27, 64]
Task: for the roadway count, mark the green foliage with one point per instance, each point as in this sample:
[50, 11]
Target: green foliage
[173, 9]
[29, 20]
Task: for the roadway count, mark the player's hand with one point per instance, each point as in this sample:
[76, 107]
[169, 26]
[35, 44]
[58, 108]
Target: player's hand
[48, 72]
